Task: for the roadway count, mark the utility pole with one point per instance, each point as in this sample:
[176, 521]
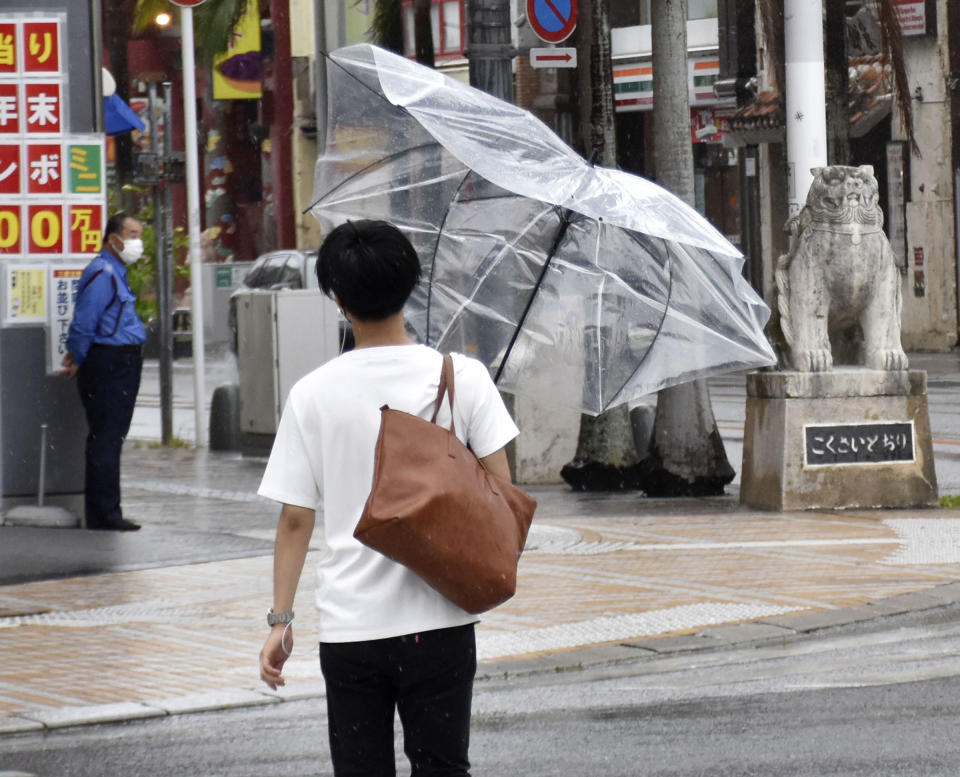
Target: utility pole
[806, 97]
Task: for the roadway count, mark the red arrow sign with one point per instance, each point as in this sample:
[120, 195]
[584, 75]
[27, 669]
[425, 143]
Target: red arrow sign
[551, 57]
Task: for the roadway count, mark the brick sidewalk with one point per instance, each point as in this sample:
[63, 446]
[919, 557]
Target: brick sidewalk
[599, 570]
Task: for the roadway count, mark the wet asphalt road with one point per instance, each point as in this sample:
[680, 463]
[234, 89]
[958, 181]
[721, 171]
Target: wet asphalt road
[876, 699]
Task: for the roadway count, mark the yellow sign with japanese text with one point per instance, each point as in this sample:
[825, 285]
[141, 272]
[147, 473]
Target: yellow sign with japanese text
[25, 294]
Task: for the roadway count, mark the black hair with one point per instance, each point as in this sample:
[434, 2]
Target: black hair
[115, 224]
[370, 266]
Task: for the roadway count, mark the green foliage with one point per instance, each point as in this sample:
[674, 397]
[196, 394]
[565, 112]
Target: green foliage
[173, 442]
[951, 502]
[386, 27]
[212, 23]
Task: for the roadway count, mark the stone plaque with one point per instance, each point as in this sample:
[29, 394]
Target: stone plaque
[843, 444]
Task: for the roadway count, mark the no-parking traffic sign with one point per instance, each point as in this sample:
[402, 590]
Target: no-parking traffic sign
[552, 20]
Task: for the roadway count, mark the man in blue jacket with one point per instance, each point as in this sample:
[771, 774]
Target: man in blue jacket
[104, 352]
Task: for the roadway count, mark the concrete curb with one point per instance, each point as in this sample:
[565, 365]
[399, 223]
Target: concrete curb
[764, 631]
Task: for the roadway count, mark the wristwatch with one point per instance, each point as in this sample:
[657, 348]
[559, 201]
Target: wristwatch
[273, 618]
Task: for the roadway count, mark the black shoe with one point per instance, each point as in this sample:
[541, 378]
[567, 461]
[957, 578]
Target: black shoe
[120, 525]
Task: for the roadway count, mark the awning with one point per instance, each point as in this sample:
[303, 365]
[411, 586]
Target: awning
[870, 99]
[120, 117]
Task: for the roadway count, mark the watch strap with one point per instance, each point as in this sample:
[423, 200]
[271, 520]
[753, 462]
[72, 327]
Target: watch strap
[275, 618]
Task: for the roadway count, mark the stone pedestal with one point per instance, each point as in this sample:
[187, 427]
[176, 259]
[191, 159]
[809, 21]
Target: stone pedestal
[852, 437]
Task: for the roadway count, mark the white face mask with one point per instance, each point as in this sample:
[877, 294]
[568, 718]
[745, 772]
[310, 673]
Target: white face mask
[132, 250]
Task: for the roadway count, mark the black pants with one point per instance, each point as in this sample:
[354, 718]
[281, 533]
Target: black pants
[108, 379]
[426, 677]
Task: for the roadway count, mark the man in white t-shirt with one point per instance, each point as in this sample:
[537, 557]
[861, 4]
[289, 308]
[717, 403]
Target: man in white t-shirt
[387, 640]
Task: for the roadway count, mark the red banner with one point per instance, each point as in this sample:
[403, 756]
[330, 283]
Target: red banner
[8, 49]
[11, 233]
[41, 47]
[9, 109]
[46, 229]
[10, 168]
[42, 105]
[44, 169]
[86, 228]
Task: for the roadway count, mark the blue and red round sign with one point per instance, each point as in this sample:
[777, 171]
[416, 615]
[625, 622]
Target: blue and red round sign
[552, 20]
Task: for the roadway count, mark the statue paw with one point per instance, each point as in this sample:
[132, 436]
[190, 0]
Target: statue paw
[813, 360]
[891, 360]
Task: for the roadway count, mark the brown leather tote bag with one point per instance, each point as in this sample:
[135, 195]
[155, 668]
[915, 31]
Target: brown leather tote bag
[436, 510]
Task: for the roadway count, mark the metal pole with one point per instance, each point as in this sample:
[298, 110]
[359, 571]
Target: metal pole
[41, 480]
[193, 222]
[320, 46]
[165, 276]
[163, 311]
[806, 97]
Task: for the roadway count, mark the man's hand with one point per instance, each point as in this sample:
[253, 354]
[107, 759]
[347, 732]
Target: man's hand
[273, 656]
[69, 367]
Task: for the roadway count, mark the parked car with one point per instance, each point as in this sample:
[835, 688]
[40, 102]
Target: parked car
[284, 269]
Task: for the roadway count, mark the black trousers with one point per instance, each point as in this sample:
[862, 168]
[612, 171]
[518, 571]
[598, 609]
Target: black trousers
[426, 677]
[108, 380]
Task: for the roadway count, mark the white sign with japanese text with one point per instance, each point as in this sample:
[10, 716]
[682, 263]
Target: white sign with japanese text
[62, 286]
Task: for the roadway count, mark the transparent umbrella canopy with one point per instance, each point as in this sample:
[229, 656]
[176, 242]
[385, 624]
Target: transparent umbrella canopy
[580, 285]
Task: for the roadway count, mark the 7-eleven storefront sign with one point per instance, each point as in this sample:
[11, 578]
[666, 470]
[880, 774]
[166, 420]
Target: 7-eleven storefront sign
[633, 84]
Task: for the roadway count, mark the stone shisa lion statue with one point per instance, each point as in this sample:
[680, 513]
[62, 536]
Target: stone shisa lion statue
[838, 289]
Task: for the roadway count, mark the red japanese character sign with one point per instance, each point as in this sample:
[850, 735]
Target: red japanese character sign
[10, 167]
[8, 49]
[86, 228]
[41, 47]
[11, 234]
[42, 105]
[9, 109]
[44, 169]
[46, 229]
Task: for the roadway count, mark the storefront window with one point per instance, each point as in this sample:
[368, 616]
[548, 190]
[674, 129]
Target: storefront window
[409, 42]
[446, 27]
[451, 27]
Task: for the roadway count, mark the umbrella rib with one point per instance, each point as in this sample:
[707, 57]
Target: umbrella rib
[564, 223]
[377, 163]
[436, 247]
[603, 284]
[663, 318]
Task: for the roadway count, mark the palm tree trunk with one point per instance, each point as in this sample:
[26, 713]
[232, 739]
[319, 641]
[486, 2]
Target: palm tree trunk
[606, 457]
[686, 455]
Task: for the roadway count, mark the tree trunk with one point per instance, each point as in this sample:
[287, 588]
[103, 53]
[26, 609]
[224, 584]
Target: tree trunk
[606, 457]
[423, 32]
[686, 455]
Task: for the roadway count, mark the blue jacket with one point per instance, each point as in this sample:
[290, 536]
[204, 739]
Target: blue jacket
[104, 311]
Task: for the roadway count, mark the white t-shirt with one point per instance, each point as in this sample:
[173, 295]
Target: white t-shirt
[323, 453]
